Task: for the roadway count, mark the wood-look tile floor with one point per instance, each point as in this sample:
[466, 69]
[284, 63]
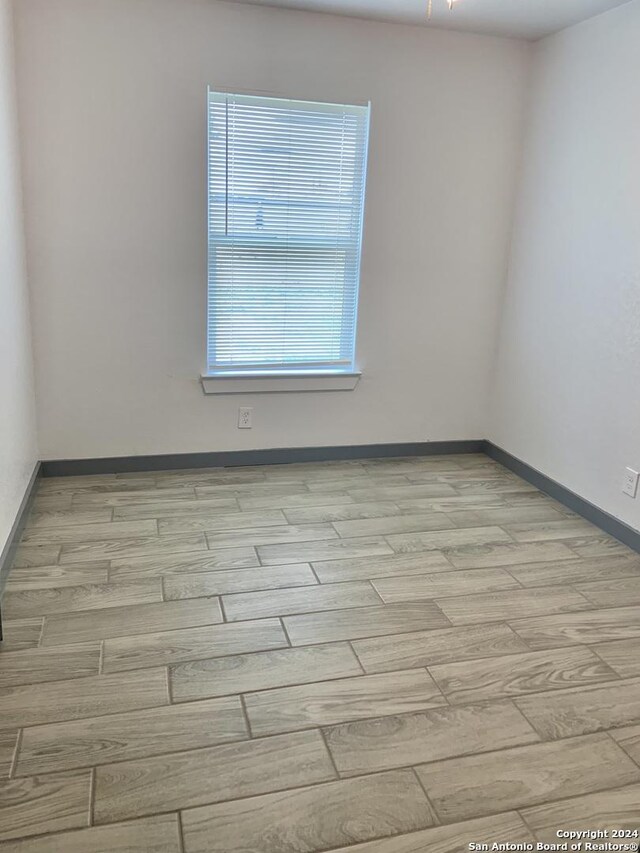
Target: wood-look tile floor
[381, 656]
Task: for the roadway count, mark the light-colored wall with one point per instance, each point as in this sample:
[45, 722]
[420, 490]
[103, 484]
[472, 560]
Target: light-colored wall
[18, 453]
[567, 394]
[113, 117]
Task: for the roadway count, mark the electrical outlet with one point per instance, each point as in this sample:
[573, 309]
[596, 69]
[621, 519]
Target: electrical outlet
[630, 482]
[245, 417]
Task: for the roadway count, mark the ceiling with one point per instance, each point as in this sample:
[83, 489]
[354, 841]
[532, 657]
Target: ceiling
[529, 19]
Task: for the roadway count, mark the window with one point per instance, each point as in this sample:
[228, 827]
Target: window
[285, 205]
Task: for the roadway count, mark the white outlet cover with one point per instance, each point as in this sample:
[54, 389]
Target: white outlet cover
[630, 482]
[245, 417]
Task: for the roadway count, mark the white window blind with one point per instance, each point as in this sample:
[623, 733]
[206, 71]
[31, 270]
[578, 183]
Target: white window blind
[285, 196]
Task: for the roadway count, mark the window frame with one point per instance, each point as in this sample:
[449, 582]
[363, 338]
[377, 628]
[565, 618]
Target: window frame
[340, 374]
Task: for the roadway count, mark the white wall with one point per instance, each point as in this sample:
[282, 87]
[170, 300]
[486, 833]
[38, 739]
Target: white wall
[18, 453]
[567, 396]
[113, 117]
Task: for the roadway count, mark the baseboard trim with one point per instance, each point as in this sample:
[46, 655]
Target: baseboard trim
[9, 550]
[609, 523]
[234, 458]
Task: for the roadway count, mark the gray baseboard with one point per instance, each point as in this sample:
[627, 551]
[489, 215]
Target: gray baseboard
[233, 458]
[609, 523]
[9, 550]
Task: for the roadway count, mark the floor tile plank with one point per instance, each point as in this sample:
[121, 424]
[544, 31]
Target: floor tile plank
[622, 655]
[186, 779]
[142, 546]
[364, 489]
[629, 739]
[54, 518]
[42, 577]
[328, 702]
[189, 507]
[370, 546]
[199, 584]
[394, 524]
[503, 484]
[166, 647]
[590, 626]
[539, 531]
[311, 819]
[425, 648]
[454, 838]
[577, 571]
[417, 587]
[44, 804]
[24, 604]
[93, 741]
[241, 491]
[615, 809]
[493, 556]
[370, 745]
[35, 666]
[308, 599]
[512, 604]
[341, 512]
[158, 834]
[21, 634]
[515, 675]
[90, 484]
[130, 568]
[261, 671]
[51, 502]
[277, 536]
[457, 503]
[35, 555]
[111, 531]
[363, 568]
[390, 492]
[222, 521]
[505, 515]
[126, 621]
[581, 710]
[403, 543]
[361, 622]
[125, 497]
[614, 592]
[55, 701]
[479, 785]
[295, 501]
[599, 545]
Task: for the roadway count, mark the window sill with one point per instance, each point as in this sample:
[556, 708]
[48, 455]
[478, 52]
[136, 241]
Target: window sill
[278, 383]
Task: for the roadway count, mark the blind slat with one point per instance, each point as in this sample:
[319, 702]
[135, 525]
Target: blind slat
[286, 189]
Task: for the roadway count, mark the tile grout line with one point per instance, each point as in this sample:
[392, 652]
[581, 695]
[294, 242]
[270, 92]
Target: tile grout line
[245, 713]
[180, 831]
[92, 796]
[329, 753]
[169, 684]
[357, 657]
[426, 796]
[14, 757]
[286, 633]
[606, 662]
[519, 811]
